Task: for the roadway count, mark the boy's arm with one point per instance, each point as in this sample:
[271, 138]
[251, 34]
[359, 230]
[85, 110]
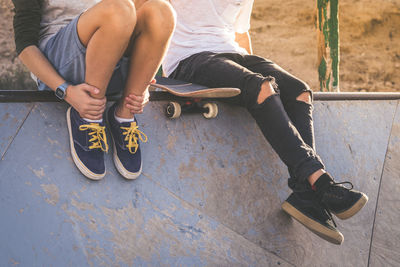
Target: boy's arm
[26, 33]
[79, 96]
[26, 23]
[26, 28]
[39, 65]
[244, 41]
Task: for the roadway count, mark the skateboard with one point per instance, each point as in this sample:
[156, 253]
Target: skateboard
[191, 98]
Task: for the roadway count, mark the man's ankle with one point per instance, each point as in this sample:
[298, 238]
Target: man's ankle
[315, 176]
[323, 181]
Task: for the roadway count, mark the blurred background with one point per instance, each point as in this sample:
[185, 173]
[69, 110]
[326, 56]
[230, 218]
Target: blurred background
[286, 34]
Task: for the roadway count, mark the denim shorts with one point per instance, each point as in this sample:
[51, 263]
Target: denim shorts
[67, 54]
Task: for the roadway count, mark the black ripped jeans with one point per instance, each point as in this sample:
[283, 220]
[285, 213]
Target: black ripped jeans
[285, 122]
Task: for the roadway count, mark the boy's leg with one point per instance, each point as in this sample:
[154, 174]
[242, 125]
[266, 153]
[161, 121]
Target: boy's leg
[69, 51]
[147, 47]
[105, 31]
[154, 25]
[112, 29]
[98, 39]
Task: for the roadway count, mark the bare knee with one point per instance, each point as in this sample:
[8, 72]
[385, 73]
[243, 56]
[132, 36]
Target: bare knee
[159, 17]
[120, 14]
[116, 18]
[305, 97]
[266, 91]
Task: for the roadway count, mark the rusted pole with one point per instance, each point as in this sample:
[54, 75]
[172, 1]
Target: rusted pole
[328, 44]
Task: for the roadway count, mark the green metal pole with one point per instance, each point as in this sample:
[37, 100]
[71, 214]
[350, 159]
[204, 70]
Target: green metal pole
[328, 44]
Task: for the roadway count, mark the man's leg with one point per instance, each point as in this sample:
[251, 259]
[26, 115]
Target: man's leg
[297, 99]
[259, 96]
[227, 70]
[297, 96]
[265, 105]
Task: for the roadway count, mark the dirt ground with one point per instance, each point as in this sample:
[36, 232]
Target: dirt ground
[286, 34]
[369, 41]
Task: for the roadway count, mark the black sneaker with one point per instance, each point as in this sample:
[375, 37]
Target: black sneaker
[88, 142]
[127, 156]
[313, 216]
[341, 201]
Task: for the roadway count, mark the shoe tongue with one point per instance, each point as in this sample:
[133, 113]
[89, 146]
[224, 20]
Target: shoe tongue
[323, 182]
[126, 141]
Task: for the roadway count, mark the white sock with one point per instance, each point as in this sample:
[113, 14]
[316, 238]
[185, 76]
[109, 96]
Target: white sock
[94, 121]
[121, 120]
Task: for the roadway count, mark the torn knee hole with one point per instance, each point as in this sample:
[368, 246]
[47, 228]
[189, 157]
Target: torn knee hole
[304, 97]
[266, 91]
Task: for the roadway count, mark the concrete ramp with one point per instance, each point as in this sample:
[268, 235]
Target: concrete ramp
[209, 195]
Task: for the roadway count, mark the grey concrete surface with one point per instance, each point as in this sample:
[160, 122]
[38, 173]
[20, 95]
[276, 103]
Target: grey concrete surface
[209, 195]
[12, 117]
[244, 182]
[385, 249]
[52, 215]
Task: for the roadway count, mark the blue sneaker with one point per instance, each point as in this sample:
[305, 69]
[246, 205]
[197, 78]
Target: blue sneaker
[88, 142]
[127, 156]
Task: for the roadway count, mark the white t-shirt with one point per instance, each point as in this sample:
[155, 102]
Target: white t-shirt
[207, 25]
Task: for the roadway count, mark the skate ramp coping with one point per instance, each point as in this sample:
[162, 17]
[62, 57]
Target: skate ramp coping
[210, 192]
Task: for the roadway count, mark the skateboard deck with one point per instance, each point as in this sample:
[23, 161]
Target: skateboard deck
[190, 97]
[192, 90]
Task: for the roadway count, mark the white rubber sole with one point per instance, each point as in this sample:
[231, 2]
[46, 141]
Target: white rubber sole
[78, 163]
[117, 163]
[121, 169]
[354, 209]
[322, 231]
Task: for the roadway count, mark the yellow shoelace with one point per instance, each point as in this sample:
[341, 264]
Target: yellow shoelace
[98, 135]
[131, 135]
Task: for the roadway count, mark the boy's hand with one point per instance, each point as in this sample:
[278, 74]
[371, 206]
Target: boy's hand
[136, 103]
[88, 107]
